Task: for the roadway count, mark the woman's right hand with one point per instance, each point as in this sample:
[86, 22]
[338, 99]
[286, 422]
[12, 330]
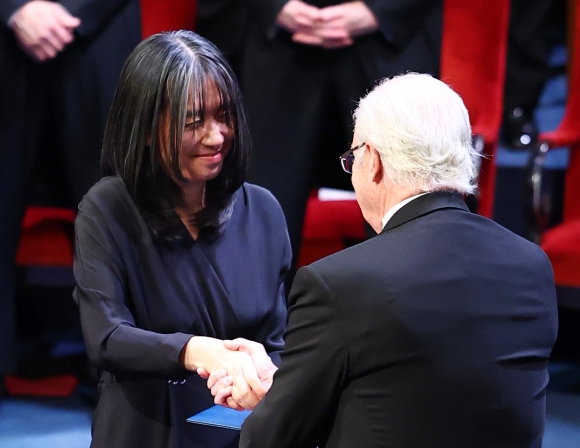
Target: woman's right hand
[211, 355]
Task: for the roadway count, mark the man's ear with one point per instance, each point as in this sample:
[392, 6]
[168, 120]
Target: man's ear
[375, 164]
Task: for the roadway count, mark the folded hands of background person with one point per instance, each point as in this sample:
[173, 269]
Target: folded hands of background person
[330, 27]
[43, 28]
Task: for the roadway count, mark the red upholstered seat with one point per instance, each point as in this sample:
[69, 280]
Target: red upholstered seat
[562, 245]
[47, 237]
[473, 61]
[328, 227]
[56, 386]
[166, 15]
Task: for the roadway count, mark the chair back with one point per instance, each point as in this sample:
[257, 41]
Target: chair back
[166, 15]
[473, 63]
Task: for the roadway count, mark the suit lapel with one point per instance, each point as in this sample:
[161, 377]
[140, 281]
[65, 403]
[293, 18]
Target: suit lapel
[426, 204]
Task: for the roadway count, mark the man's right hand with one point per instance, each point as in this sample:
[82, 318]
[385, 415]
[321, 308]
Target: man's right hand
[43, 28]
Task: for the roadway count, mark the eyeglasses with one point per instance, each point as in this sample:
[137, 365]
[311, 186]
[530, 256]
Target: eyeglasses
[347, 159]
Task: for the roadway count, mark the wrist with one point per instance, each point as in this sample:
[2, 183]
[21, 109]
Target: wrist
[195, 353]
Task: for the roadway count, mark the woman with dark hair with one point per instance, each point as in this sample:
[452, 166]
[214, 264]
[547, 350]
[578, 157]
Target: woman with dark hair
[174, 252]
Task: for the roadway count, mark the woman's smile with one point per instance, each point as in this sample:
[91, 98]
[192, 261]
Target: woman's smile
[210, 156]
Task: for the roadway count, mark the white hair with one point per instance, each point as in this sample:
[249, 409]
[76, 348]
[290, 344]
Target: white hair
[420, 127]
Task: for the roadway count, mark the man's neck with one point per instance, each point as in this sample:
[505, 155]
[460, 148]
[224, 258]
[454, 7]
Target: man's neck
[390, 196]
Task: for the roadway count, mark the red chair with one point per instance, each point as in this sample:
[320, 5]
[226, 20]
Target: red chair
[562, 242]
[163, 15]
[473, 62]
[47, 237]
[329, 226]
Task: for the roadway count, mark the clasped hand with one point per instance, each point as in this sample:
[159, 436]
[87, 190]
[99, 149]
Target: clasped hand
[245, 384]
[43, 28]
[331, 27]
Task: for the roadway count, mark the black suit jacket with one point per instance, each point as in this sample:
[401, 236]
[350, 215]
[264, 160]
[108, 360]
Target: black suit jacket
[435, 333]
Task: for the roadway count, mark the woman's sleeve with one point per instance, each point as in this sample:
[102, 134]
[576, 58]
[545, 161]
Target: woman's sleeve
[112, 340]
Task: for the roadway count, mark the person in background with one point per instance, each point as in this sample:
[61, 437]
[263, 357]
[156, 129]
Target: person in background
[60, 65]
[438, 331]
[174, 252]
[224, 23]
[304, 66]
[535, 29]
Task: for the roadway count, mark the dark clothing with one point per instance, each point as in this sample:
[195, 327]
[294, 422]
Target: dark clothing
[299, 99]
[52, 116]
[535, 28]
[224, 23]
[434, 333]
[141, 299]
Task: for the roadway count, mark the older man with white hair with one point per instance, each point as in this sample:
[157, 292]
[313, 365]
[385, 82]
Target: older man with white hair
[434, 333]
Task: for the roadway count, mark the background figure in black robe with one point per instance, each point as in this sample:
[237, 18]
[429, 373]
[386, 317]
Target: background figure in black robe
[535, 28]
[224, 23]
[55, 94]
[174, 252]
[304, 67]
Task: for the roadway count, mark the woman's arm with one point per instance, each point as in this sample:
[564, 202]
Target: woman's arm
[114, 342]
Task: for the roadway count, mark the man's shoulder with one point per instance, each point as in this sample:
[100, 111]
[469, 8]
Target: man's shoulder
[346, 262]
[508, 241]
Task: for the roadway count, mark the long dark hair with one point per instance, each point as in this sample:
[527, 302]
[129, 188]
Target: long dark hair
[156, 80]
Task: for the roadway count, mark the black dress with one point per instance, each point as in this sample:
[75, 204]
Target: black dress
[141, 299]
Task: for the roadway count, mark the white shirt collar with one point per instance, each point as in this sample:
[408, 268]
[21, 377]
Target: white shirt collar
[395, 208]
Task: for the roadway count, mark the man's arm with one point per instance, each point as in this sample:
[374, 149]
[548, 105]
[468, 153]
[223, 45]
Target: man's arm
[299, 409]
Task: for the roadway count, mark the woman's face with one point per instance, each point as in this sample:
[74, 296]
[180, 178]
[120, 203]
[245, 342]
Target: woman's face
[206, 143]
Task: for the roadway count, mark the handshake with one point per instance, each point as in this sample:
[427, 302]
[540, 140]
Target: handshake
[330, 27]
[238, 372]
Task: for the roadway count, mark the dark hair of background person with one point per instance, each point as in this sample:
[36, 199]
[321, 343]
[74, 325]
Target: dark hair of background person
[155, 83]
